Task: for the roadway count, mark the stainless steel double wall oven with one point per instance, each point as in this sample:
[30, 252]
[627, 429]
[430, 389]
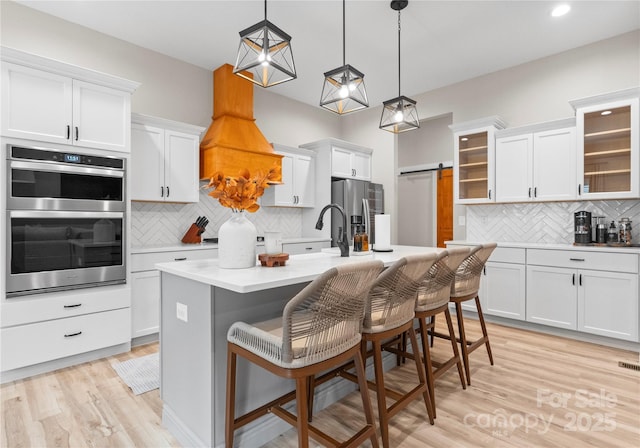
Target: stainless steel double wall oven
[65, 220]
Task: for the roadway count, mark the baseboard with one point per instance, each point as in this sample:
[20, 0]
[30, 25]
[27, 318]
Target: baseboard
[146, 339]
[182, 433]
[56, 364]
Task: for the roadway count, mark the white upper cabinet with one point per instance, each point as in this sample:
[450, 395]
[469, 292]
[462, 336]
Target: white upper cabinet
[608, 161]
[50, 101]
[474, 160]
[350, 163]
[536, 165]
[298, 179]
[164, 160]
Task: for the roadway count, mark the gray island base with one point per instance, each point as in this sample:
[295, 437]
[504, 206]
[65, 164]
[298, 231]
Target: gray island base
[199, 303]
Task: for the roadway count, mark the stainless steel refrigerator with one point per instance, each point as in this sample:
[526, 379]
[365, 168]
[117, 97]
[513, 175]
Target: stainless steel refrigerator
[361, 201]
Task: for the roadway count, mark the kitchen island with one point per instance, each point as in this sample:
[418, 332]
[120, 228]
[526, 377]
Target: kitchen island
[199, 303]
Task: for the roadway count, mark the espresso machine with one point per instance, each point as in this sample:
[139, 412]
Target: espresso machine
[582, 227]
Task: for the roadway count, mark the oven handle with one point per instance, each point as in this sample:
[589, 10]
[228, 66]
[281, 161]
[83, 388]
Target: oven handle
[63, 214]
[54, 168]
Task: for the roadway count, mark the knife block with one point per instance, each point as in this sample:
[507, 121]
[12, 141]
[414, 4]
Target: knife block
[192, 236]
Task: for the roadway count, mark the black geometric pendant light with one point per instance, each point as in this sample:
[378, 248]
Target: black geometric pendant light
[343, 90]
[399, 114]
[265, 52]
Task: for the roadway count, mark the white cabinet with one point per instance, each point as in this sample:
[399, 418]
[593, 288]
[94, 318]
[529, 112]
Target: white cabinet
[164, 160]
[53, 106]
[536, 166]
[46, 327]
[593, 292]
[608, 139]
[474, 160]
[305, 248]
[350, 163]
[145, 285]
[503, 284]
[298, 179]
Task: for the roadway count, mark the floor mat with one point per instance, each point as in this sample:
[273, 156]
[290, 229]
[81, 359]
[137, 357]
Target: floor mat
[140, 374]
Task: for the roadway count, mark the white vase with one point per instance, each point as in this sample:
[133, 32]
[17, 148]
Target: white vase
[237, 242]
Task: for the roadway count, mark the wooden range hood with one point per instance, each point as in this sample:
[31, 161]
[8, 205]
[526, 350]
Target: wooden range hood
[233, 142]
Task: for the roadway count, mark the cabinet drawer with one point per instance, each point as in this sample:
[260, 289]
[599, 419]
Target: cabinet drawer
[304, 248]
[56, 305]
[602, 261]
[147, 261]
[26, 345]
[508, 255]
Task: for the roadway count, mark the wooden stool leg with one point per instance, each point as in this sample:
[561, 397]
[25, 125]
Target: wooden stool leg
[302, 386]
[310, 394]
[381, 394]
[366, 400]
[433, 330]
[231, 398]
[463, 342]
[454, 346]
[428, 365]
[485, 335]
[421, 375]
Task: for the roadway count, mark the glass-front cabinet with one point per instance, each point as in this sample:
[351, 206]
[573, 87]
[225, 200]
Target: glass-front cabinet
[608, 161]
[474, 160]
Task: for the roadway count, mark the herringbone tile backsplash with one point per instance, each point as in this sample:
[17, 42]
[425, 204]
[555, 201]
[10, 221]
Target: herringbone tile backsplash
[547, 222]
[154, 223]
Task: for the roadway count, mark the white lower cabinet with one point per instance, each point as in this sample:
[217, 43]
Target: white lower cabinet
[592, 292]
[504, 290]
[145, 286]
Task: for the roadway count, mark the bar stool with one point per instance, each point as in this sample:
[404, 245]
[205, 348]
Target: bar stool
[389, 315]
[433, 299]
[465, 287]
[320, 329]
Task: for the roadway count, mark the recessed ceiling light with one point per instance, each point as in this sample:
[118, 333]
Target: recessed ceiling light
[560, 10]
[605, 112]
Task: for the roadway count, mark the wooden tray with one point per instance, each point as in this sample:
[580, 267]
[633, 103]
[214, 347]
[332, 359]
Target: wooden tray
[273, 260]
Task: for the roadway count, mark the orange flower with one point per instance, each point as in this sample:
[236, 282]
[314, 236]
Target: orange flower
[242, 192]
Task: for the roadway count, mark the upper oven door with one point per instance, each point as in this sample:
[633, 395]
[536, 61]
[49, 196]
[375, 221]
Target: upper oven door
[50, 186]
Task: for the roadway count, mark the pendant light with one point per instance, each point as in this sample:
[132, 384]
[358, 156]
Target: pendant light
[265, 53]
[343, 90]
[399, 114]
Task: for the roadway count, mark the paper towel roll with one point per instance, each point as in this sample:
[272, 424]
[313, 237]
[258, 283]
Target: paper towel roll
[382, 232]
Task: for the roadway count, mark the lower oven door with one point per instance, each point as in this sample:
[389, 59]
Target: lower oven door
[54, 250]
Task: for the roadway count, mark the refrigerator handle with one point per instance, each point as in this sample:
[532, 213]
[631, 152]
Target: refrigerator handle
[366, 219]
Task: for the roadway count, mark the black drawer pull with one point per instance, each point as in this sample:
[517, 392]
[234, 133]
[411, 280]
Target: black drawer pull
[308, 248]
[68, 132]
[573, 280]
[180, 259]
[75, 305]
[70, 335]
[576, 259]
[76, 133]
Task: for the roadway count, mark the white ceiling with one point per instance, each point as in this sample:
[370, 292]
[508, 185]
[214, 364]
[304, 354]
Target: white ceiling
[443, 42]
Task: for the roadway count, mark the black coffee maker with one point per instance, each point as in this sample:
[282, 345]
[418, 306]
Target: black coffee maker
[582, 225]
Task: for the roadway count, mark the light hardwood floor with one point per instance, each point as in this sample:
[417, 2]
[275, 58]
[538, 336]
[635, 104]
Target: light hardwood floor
[543, 391]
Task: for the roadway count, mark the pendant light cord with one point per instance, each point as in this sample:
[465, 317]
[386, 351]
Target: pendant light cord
[398, 53]
[265, 9]
[344, 35]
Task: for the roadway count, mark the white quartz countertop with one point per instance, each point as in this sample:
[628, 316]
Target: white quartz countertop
[204, 245]
[298, 269]
[600, 248]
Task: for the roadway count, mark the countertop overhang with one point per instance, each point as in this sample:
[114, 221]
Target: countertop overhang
[555, 246]
[298, 269]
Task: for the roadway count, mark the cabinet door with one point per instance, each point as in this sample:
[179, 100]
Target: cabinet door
[181, 157]
[304, 181]
[608, 157]
[361, 165]
[145, 303]
[341, 163]
[101, 117]
[608, 304]
[554, 166]
[36, 105]
[504, 290]
[147, 163]
[283, 194]
[513, 168]
[474, 167]
[552, 296]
